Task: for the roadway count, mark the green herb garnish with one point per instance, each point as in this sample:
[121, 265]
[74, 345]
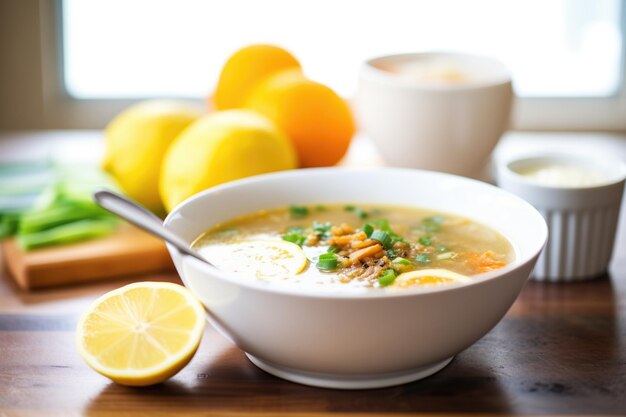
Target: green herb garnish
[360, 212]
[425, 240]
[296, 229]
[322, 229]
[423, 258]
[387, 277]
[296, 238]
[444, 256]
[391, 253]
[368, 229]
[401, 261]
[298, 212]
[327, 262]
[383, 237]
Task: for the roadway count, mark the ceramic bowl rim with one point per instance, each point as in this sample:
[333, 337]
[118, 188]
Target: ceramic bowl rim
[369, 71]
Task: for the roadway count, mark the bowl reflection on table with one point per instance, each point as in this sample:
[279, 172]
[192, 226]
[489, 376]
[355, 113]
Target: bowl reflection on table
[361, 339]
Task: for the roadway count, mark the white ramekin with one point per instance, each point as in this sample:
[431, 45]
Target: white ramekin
[582, 221]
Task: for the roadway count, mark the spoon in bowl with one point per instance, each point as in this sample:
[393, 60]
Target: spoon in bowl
[139, 216]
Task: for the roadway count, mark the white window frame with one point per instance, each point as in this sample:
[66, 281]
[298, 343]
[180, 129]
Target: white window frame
[61, 111]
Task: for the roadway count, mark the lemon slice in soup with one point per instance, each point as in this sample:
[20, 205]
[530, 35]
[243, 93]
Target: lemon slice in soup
[263, 259]
[428, 277]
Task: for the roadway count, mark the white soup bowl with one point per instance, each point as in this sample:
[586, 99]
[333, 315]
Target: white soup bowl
[365, 338]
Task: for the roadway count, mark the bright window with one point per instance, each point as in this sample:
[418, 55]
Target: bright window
[150, 48]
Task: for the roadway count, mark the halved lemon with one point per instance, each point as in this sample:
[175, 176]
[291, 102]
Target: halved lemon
[264, 259]
[429, 277]
[142, 333]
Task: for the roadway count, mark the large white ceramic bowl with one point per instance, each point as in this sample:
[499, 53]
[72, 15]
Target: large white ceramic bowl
[361, 339]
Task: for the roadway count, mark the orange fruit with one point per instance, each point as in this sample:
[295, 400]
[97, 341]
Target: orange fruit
[313, 116]
[245, 69]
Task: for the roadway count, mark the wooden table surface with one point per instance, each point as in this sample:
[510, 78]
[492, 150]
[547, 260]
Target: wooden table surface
[560, 350]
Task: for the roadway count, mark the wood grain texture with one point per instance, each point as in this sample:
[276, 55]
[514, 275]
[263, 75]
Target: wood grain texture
[128, 251]
[560, 350]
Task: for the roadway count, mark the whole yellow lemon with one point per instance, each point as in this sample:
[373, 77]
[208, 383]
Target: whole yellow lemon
[245, 69]
[136, 141]
[313, 116]
[221, 147]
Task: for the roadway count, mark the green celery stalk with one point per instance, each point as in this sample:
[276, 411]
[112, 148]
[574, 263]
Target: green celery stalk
[62, 212]
[67, 233]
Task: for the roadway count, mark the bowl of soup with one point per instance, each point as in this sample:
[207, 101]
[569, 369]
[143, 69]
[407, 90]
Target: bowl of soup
[356, 278]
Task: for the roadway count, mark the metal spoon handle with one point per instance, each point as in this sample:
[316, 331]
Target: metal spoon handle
[141, 217]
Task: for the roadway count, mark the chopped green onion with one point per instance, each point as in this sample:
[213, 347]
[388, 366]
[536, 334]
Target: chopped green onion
[298, 212]
[444, 256]
[361, 213]
[391, 253]
[382, 224]
[296, 229]
[61, 213]
[332, 249]
[387, 277]
[368, 229]
[327, 262]
[382, 237]
[442, 248]
[425, 240]
[322, 229]
[296, 238]
[423, 258]
[401, 261]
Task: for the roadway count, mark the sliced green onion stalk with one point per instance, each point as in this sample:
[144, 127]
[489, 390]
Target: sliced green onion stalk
[327, 262]
[425, 240]
[296, 238]
[298, 212]
[401, 261]
[368, 229]
[332, 249]
[360, 212]
[322, 229]
[296, 229]
[444, 256]
[382, 237]
[62, 212]
[67, 233]
[422, 258]
[387, 277]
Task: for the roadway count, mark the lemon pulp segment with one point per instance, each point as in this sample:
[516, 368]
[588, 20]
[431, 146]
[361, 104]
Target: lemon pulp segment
[259, 258]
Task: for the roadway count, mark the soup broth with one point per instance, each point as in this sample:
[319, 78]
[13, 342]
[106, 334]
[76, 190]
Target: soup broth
[366, 246]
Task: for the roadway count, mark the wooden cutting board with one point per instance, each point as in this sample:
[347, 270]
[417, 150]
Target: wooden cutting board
[128, 251]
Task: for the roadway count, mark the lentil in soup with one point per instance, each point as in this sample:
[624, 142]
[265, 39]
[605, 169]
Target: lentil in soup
[366, 246]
